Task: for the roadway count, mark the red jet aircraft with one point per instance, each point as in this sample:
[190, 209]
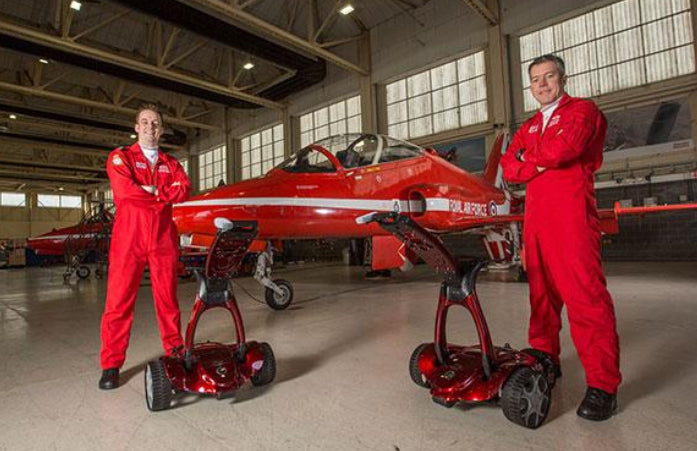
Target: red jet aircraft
[321, 191]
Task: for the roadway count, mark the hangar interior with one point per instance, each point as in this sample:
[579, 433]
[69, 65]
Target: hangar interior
[244, 84]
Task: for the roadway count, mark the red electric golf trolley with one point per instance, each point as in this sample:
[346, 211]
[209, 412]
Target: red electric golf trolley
[209, 368]
[520, 380]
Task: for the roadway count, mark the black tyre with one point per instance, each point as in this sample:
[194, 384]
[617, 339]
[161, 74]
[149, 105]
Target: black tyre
[280, 301]
[158, 389]
[414, 370]
[267, 372]
[525, 397]
[83, 272]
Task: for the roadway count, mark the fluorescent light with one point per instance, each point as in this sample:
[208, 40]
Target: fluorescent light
[346, 10]
[133, 136]
[75, 5]
[13, 116]
[60, 188]
[248, 65]
[43, 60]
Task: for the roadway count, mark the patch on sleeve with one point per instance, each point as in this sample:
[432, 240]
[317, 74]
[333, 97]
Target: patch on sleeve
[116, 160]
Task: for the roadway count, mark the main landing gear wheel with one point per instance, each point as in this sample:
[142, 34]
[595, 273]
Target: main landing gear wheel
[158, 389]
[83, 272]
[268, 369]
[280, 301]
[414, 370]
[525, 397]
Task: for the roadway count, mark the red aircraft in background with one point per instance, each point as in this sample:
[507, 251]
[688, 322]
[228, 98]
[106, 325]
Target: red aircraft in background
[321, 191]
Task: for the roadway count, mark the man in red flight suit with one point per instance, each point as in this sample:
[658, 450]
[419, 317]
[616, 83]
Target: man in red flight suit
[556, 152]
[145, 182]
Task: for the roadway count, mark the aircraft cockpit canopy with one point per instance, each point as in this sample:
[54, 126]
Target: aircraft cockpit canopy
[352, 150]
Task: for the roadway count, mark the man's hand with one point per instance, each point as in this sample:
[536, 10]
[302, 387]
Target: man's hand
[152, 189]
[541, 169]
[519, 155]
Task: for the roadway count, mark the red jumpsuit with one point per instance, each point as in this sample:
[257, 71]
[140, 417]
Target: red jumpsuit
[562, 236]
[143, 233]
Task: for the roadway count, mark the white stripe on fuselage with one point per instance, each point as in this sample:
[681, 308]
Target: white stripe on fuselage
[433, 204]
[63, 237]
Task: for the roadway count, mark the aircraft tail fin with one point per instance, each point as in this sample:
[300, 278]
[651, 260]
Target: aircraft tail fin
[492, 171]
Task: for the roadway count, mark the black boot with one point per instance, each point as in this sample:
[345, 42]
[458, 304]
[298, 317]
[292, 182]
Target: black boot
[598, 405]
[110, 379]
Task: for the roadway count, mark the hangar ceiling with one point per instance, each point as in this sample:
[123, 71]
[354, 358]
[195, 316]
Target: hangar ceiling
[71, 80]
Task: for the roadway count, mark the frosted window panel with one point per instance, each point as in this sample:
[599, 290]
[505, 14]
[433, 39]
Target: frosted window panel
[245, 173]
[337, 128]
[472, 91]
[468, 114]
[267, 151]
[525, 75]
[305, 139]
[245, 144]
[574, 31]
[686, 60]
[354, 125]
[655, 9]
[659, 36]
[627, 45]
[444, 75]
[466, 68]
[399, 131]
[445, 99]
[625, 14]
[267, 136]
[278, 149]
[278, 160]
[607, 80]
[446, 120]
[529, 101]
[337, 111]
[397, 112]
[396, 91]
[680, 5]
[682, 26]
[321, 117]
[353, 106]
[630, 74]
[245, 159]
[266, 166]
[580, 85]
[419, 106]
[479, 64]
[44, 200]
[661, 66]
[546, 41]
[71, 202]
[256, 170]
[482, 112]
[321, 132]
[278, 132]
[529, 47]
[256, 155]
[418, 84]
[602, 21]
[306, 122]
[605, 51]
[255, 140]
[420, 127]
[580, 59]
[207, 172]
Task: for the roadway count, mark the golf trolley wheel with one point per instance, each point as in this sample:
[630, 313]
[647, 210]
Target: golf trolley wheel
[280, 301]
[158, 389]
[267, 372]
[525, 397]
[83, 272]
[414, 370]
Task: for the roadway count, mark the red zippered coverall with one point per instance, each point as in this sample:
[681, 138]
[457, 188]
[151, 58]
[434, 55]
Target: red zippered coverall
[561, 235]
[143, 233]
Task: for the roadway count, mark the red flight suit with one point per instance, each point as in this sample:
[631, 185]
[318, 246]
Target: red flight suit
[561, 235]
[143, 233]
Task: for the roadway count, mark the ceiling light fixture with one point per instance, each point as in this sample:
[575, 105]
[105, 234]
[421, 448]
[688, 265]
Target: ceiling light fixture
[346, 10]
[43, 60]
[75, 5]
[133, 136]
[13, 116]
[248, 65]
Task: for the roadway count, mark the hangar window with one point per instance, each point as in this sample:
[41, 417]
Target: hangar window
[108, 198]
[442, 98]
[59, 201]
[13, 199]
[624, 45]
[336, 119]
[261, 151]
[212, 167]
[185, 164]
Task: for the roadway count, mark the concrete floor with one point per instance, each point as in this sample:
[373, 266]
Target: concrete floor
[342, 352]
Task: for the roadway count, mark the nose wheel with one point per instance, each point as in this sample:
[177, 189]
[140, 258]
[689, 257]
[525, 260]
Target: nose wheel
[281, 299]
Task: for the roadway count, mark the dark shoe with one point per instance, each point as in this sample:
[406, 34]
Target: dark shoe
[552, 368]
[110, 379]
[598, 405]
[378, 274]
